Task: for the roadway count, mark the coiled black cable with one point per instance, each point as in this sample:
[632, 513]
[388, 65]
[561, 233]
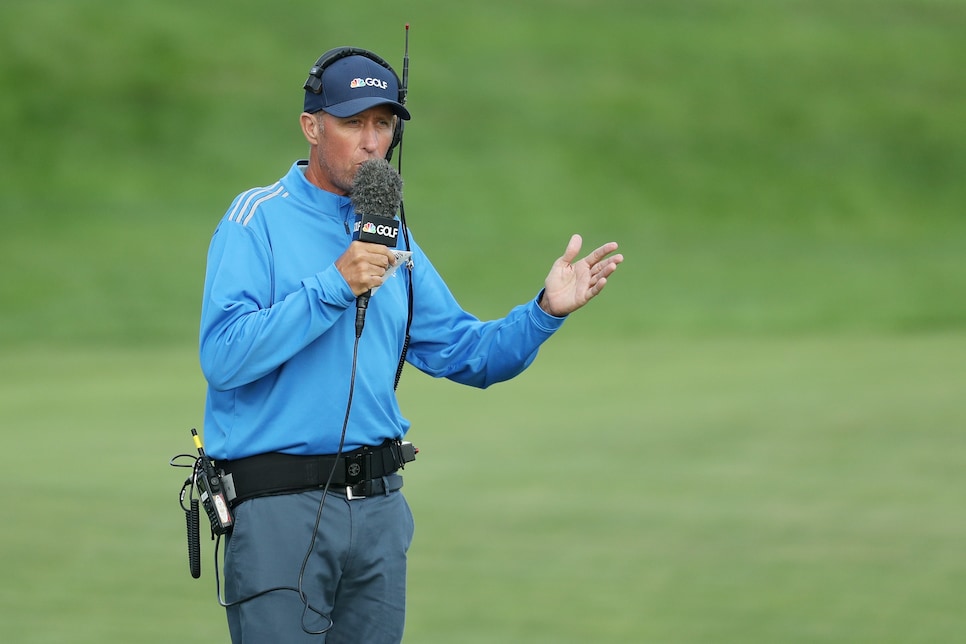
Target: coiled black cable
[194, 539]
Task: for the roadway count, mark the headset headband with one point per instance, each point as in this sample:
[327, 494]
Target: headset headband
[314, 82]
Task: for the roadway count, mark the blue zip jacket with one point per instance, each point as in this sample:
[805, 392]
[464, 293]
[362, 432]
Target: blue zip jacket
[278, 328]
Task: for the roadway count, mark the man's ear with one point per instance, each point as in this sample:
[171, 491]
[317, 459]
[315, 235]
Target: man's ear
[311, 128]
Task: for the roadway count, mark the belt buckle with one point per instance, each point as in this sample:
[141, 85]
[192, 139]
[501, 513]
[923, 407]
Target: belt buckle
[352, 496]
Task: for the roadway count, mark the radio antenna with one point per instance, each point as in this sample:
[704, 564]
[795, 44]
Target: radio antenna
[403, 93]
[405, 75]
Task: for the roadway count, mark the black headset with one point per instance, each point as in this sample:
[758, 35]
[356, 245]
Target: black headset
[314, 82]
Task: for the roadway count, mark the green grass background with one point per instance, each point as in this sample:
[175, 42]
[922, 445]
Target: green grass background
[754, 435]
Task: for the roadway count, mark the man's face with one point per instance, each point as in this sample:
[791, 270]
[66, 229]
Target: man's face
[343, 144]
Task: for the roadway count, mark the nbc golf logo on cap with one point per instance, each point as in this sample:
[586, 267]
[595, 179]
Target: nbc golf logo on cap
[368, 82]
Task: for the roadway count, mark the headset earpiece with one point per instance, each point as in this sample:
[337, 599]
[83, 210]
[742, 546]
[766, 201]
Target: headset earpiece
[314, 82]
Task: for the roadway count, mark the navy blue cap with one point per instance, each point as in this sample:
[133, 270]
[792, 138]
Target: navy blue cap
[354, 84]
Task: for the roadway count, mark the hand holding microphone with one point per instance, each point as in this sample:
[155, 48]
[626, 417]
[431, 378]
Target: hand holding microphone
[364, 266]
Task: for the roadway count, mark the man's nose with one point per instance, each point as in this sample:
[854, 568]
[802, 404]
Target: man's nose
[370, 138]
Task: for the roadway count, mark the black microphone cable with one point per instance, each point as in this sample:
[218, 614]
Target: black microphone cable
[325, 493]
[300, 589]
[307, 606]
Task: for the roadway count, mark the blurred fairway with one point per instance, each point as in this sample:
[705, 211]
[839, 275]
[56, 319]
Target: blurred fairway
[710, 490]
[754, 435]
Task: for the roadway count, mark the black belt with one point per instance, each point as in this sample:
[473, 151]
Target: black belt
[357, 472]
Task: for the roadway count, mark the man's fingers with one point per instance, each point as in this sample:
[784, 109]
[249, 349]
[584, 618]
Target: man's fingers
[598, 254]
[601, 252]
[573, 247]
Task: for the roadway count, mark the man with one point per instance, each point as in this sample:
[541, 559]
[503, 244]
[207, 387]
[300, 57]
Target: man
[279, 350]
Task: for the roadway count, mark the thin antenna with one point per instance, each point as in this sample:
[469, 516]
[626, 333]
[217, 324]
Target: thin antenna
[397, 135]
[405, 75]
[403, 93]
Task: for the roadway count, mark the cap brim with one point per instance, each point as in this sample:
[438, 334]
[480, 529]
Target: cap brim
[356, 105]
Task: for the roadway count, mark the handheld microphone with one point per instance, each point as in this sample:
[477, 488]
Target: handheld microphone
[376, 195]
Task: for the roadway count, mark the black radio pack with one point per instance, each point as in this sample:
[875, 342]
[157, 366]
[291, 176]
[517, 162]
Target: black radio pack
[211, 491]
[213, 496]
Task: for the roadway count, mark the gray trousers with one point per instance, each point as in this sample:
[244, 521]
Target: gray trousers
[355, 574]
